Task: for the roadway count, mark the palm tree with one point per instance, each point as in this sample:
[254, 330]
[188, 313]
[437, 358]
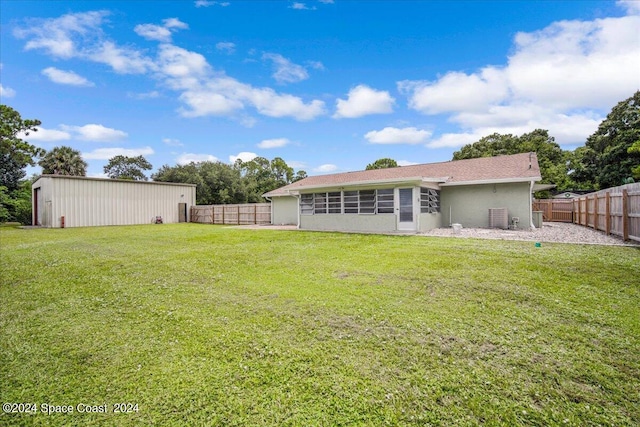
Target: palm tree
[63, 161]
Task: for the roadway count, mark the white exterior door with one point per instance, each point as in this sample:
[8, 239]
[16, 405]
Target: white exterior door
[406, 217]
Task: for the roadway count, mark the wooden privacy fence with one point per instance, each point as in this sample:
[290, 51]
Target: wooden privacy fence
[614, 210]
[557, 210]
[245, 214]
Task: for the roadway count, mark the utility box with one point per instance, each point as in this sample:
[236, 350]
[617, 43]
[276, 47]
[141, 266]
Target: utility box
[537, 219]
[499, 218]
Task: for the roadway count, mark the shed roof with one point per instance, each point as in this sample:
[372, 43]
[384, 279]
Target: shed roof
[512, 168]
[88, 178]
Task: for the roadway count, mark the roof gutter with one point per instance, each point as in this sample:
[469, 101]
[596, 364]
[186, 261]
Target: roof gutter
[491, 181]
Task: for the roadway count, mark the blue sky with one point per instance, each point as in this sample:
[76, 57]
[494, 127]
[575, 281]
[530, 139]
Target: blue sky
[329, 86]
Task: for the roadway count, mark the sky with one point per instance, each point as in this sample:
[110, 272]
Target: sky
[327, 85]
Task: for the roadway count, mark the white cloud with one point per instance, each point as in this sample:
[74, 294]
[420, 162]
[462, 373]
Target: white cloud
[56, 36]
[146, 95]
[122, 60]
[245, 156]
[362, 100]
[326, 168]
[207, 3]
[153, 32]
[562, 78]
[160, 33]
[65, 77]
[175, 23]
[406, 163]
[79, 35]
[301, 6]
[273, 143]
[107, 153]
[172, 142]
[457, 91]
[46, 135]
[285, 70]
[227, 47]
[225, 95]
[187, 158]
[391, 135]
[631, 6]
[6, 92]
[454, 140]
[202, 91]
[95, 133]
[296, 164]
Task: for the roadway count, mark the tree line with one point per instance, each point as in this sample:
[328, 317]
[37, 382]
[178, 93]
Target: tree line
[610, 157]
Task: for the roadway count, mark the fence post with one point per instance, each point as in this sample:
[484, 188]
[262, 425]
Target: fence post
[595, 212]
[255, 214]
[223, 209]
[625, 215]
[238, 214]
[607, 213]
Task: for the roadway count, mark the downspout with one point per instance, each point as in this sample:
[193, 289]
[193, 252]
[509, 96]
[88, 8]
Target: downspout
[298, 206]
[270, 208]
[533, 227]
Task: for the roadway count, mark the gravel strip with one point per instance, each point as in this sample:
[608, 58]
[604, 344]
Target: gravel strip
[559, 232]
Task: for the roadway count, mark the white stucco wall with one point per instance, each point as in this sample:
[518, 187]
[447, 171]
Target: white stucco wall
[469, 204]
[92, 202]
[380, 223]
[284, 210]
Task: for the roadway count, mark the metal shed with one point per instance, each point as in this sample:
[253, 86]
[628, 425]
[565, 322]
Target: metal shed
[72, 201]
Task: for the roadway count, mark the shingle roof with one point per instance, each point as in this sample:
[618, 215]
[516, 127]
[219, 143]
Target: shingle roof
[516, 167]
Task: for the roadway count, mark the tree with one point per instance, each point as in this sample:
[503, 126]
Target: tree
[635, 149]
[15, 153]
[124, 167]
[552, 159]
[382, 164]
[63, 160]
[605, 159]
[299, 175]
[216, 182]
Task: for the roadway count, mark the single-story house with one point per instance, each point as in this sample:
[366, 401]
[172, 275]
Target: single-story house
[74, 201]
[484, 192]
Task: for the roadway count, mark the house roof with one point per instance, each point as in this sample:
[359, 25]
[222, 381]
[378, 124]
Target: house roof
[513, 168]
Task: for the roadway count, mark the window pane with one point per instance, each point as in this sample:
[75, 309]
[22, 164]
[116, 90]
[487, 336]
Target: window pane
[385, 200]
[320, 203]
[306, 204]
[351, 202]
[367, 201]
[335, 205]
[429, 200]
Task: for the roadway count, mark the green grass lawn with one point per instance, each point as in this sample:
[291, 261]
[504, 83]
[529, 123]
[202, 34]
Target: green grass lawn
[206, 325]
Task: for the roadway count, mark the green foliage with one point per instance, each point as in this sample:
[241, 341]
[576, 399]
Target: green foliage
[220, 183]
[635, 149]
[15, 153]
[124, 167]
[15, 206]
[63, 160]
[217, 182]
[216, 326]
[608, 159]
[552, 159]
[383, 163]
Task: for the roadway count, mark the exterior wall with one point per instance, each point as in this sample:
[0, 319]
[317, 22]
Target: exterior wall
[429, 221]
[95, 202]
[380, 223]
[469, 204]
[284, 210]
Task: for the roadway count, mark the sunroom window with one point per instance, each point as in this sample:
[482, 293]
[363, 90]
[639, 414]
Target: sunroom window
[429, 200]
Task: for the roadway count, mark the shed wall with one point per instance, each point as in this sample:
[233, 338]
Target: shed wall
[87, 202]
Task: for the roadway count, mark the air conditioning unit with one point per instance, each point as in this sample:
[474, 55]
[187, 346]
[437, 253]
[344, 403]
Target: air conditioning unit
[499, 218]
